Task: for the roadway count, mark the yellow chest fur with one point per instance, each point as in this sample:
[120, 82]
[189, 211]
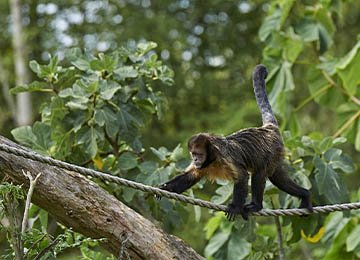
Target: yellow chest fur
[220, 170]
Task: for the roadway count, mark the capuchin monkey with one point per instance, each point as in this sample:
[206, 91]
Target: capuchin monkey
[258, 150]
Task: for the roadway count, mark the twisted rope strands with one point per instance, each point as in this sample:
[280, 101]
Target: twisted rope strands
[162, 193]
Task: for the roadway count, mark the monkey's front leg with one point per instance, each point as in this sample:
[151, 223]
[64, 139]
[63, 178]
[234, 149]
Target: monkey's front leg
[179, 184]
[239, 196]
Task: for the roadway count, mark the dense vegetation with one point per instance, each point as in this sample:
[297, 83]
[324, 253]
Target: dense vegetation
[119, 107]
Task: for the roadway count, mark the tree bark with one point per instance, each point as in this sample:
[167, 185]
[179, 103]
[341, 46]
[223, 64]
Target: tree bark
[77, 202]
[24, 109]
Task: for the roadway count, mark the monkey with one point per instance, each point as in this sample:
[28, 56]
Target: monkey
[256, 150]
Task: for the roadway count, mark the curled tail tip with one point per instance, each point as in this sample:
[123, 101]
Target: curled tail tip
[260, 71]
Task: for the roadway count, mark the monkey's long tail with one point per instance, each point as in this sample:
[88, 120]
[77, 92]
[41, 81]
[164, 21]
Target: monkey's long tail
[259, 76]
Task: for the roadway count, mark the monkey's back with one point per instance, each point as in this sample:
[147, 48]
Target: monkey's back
[257, 148]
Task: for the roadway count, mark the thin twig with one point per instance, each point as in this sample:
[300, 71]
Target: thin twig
[28, 199]
[332, 82]
[347, 124]
[42, 253]
[34, 244]
[280, 238]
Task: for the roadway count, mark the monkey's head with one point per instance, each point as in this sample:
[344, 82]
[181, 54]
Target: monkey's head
[201, 150]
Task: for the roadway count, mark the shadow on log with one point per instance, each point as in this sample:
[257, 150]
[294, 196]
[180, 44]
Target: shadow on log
[77, 202]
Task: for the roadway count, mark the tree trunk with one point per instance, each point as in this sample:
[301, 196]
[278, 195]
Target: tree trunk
[5, 89]
[77, 202]
[23, 115]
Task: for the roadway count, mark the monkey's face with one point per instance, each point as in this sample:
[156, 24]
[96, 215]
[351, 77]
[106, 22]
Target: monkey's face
[198, 157]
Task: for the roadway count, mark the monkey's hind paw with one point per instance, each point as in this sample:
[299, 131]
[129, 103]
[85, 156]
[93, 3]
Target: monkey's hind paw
[252, 207]
[233, 210]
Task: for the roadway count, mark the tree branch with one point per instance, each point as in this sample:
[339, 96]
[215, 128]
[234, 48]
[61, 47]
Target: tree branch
[77, 202]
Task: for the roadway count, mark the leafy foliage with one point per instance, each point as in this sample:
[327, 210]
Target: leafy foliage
[100, 103]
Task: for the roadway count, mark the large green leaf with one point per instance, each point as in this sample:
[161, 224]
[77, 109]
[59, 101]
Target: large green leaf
[238, 247]
[321, 90]
[105, 116]
[328, 182]
[127, 161]
[312, 30]
[338, 160]
[283, 82]
[212, 225]
[24, 135]
[270, 24]
[217, 241]
[37, 138]
[87, 137]
[34, 86]
[223, 194]
[126, 72]
[108, 88]
[348, 69]
[353, 240]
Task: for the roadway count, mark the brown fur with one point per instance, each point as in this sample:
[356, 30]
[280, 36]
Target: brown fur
[259, 150]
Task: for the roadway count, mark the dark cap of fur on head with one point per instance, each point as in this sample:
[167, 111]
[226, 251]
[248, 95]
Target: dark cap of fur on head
[260, 71]
[198, 139]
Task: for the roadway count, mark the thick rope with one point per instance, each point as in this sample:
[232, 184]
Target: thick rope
[162, 193]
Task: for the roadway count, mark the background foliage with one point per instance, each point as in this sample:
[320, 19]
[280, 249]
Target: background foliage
[119, 111]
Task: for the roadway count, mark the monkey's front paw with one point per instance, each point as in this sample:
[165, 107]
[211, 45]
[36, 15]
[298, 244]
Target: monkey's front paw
[233, 210]
[163, 187]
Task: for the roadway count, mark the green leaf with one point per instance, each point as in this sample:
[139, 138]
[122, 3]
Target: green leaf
[34, 86]
[334, 227]
[338, 160]
[307, 29]
[88, 136]
[97, 65]
[321, 91]
[270, 24]
[348, 69]
[212, 225]
[353, 240]
[311, 30]
[125, 72]
[37, 138]
[283, 82]
[161, 153]
[238, 248]
[105, 116]
[127, 161]
[81, 64]
[293, 46]
[24, 135]
[161, 104]
[108, 88]
[357, 138]
[144, 47]
[148, 167]
[34, 66]
[217, 241]
[177, 153]
[325, 39]
[73, 53]
[328, 182]
[223, 193]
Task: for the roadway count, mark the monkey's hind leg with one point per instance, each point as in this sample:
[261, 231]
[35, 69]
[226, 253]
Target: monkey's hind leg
[239, 196]
[281, 180]
[258, 180]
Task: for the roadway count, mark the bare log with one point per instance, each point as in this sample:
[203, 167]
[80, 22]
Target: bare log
[78, 202]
